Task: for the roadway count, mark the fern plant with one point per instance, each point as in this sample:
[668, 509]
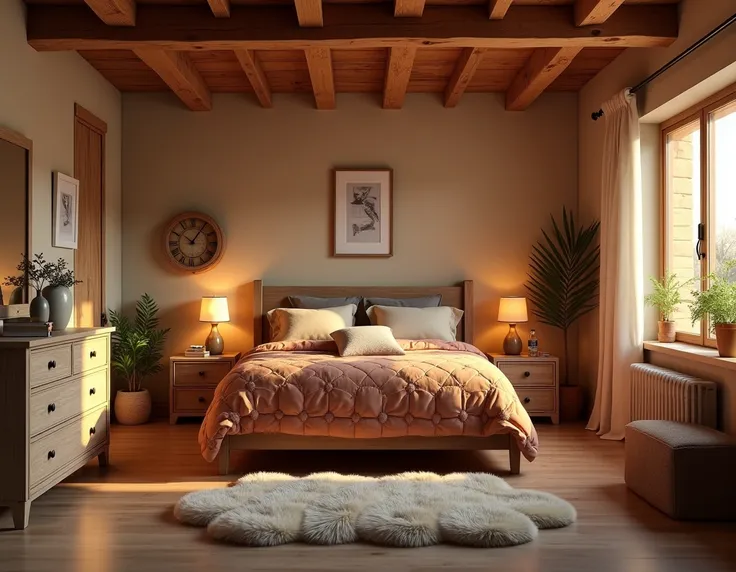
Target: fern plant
[666, 295]
[717, 302]
[137, 345]
[563, 275]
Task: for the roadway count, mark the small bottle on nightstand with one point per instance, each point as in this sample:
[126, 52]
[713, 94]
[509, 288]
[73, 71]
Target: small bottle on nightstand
[533, 344]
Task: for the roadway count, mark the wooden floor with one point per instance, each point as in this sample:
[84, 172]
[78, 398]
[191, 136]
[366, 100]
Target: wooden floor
[120, 519]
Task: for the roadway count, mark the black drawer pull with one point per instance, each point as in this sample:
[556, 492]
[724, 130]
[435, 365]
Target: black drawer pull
[52, 407]
[202, 400]
[52, 454]
[527, 400]
[92, 430]
[527, 374]
[52, 364]
[92, 354]
[92, 391]
[202, 374]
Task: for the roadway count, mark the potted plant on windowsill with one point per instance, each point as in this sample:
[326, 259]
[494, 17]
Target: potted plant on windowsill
[718, 303]
[666, 298]
[137, 349]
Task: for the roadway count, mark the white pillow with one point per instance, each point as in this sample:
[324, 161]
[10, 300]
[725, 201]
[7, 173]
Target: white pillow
[289, 324]
[367, 341]
[418, 323]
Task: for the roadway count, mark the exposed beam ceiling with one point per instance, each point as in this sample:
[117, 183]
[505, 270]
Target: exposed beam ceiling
[544, 66]
[319, 62]
[498, 9]
[114, 12]
[309, 13]
[589, 12]
[408, 8]
[178, 72]
[54, 28]
[220, 8]
[398, 73]
[462, 75]
[249, 62]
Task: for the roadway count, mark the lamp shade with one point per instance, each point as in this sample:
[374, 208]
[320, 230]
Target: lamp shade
[512, 310]
[214, 309]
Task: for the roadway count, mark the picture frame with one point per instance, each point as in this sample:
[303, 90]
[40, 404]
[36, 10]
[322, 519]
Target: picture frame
[65, 211]
[363, 213]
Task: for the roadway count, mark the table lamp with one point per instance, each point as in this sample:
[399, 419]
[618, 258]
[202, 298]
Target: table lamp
[214, 311]
[512, 311]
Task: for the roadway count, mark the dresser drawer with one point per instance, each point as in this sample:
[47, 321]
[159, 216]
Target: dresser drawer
[89, 354]
[53, 451]
[65, 400]
[51, 364]
[200, 373]
[526, 373]
[537, 400]
[193, 400]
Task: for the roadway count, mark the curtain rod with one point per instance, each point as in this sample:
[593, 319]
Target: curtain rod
[713, 33]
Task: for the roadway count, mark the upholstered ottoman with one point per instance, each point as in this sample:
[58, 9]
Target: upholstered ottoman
[686, 471]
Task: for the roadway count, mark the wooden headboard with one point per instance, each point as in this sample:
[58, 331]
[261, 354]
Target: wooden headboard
[267, 298]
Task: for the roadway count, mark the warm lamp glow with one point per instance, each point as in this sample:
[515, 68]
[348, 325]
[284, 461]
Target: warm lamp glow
[512, 310]
[214, 310]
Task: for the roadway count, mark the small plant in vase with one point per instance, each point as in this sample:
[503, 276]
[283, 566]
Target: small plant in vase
[666, 298]
[137, 349]
[58, 293]
[718, 303]
[34, 272]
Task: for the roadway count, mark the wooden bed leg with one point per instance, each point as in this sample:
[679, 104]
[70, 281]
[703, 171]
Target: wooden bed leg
[514, 457]
[224, 456]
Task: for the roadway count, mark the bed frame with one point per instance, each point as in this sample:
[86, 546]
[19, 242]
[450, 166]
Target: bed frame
[266, 298]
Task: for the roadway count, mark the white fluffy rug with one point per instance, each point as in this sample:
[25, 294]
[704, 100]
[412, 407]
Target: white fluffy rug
[406, 510]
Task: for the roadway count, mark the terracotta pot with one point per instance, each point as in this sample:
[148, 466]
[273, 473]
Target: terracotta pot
[571, 402]
[132, 407]
[666, 331]
[726, 339]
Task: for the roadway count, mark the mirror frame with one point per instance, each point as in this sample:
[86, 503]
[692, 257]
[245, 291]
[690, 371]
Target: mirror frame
[15, 138]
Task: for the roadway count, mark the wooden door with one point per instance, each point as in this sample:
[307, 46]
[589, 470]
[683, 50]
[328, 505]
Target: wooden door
[89, 258]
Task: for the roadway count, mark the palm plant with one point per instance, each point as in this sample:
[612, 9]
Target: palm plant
[563, 275]
[137, 345]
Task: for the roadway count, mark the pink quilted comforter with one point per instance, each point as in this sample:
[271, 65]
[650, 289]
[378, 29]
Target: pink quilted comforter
[304, 388]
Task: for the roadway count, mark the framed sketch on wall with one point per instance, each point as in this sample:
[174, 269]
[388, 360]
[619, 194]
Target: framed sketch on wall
[363, 213]
[65, 209]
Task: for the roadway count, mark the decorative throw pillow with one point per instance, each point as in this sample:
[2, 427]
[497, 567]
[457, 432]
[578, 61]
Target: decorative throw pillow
[422, 302]
[289, 324]
[316, 303]
[418, 323]
[367, 341]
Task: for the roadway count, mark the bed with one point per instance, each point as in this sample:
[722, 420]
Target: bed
[299, 395]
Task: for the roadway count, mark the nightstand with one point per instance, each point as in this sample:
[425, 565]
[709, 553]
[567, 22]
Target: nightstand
[192, 383]
[536, 381]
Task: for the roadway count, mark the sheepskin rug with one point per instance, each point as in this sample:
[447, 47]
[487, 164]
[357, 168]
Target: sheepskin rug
[404, 510]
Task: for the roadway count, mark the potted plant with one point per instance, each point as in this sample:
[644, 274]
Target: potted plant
[58, 293]
[666, 298]
[563, 286]
[34, 272]
[137, 349]
[718, 303]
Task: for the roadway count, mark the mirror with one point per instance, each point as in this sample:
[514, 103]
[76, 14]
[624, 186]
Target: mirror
[15, 184]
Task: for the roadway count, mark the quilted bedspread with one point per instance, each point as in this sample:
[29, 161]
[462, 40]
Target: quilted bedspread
[304, 388]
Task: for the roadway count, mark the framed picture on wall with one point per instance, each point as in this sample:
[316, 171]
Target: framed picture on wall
[65, 211]
[363, 213]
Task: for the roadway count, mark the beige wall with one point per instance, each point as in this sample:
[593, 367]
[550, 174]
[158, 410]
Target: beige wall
[472, 187]
[37, 96]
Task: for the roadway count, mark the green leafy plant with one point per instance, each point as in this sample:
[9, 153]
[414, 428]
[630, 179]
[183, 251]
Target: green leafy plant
[563, 275]
[33, 271]
[60, 275]
[719, 300]
[137, 345]
[666, 295]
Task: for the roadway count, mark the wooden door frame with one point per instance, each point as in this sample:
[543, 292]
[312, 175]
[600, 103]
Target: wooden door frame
[90, 120]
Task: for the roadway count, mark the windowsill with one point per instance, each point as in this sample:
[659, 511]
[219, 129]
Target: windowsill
[700, 354]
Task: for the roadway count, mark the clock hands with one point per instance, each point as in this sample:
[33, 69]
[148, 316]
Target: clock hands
[191, 241]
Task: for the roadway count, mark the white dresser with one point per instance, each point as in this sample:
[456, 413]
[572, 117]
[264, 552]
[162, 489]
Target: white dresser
[54, 411]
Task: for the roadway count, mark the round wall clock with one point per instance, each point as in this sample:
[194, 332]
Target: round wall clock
[194, 242]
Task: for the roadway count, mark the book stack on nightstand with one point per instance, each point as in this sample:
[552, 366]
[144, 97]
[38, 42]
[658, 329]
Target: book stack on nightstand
[192, 382]
[536, 381]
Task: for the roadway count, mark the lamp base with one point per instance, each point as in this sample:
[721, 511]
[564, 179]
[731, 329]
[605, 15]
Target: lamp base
[512, 342]
[214, 343]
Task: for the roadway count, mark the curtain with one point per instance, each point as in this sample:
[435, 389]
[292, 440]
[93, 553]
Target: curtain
[621, 322]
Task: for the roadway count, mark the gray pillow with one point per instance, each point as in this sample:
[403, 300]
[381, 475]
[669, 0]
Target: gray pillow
[317, 303]
[423, 302]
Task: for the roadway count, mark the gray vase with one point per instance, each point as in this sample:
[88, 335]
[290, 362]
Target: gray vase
[39, 309]
[60, 304]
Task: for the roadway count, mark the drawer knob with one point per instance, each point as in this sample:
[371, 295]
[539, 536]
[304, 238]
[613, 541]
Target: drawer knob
[52, 454]
[92, 354]
[52, 364]
[527, 373]
[52, 407]
[202, 400]
[527, 400]
[92, 391]
[202, 374]
[92, 430]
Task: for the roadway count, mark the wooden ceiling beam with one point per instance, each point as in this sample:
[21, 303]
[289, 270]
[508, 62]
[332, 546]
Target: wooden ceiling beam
[590, 12]
[462, 75]
[114, 12]
[55, 28]
[409, 8]
[398, 74]
[319, 62]
[309, 13]
[497, 9]
[249, 62]
[220, 8]
[179, 73]
[544, 66]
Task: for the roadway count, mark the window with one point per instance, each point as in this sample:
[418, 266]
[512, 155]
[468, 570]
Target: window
[699, 201]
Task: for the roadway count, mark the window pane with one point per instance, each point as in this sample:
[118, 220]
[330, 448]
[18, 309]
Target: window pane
[683, 214]
[723, 186]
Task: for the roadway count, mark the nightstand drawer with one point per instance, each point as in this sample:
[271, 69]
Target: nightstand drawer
[199, 373]
[193, 399]
[529, 373]
[537, 400]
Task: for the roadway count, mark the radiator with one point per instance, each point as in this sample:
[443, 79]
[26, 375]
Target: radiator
[659, 393]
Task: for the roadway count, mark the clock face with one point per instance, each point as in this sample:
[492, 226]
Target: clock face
[194, 242]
